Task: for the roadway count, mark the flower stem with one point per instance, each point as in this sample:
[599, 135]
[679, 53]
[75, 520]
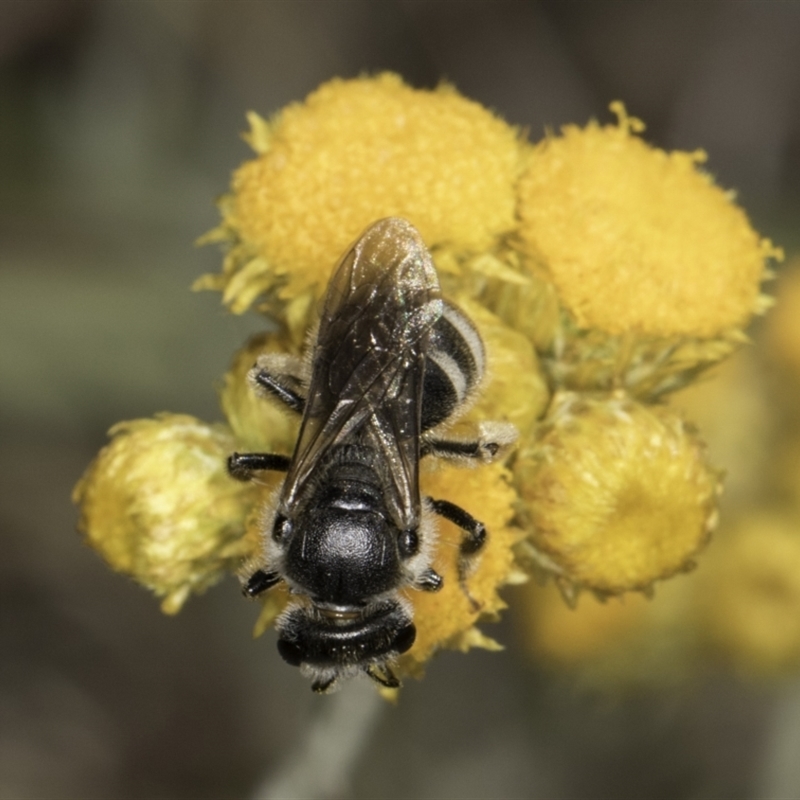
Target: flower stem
[320, 765]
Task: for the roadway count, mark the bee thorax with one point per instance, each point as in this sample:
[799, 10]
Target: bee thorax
[343, 556]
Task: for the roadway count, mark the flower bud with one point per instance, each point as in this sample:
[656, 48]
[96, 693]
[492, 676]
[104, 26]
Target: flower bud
[157, 504]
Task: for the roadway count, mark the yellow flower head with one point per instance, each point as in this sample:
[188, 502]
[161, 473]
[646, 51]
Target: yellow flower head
[257, 424]
[614, 643]
[353, 152]
[554, 632]
[157, 503]
[750, 594]
[447, 618]
[638, 239]
[783, 328]
[618, 494]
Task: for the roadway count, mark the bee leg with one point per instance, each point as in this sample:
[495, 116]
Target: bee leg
[475, 530]
[387, 678]
[472, 542]
[493, 441]
[259, 582]
[242, 465]
[279, 376]
[322, 686]
[429, 581]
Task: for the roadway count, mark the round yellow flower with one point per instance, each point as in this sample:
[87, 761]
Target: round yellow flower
[638, 239]
[447, 618]
[750, 594]
[259, 425]
[617, 494]
[158, 505]
[612, 644]
[356, 151]
[555, 632]
[783, 328]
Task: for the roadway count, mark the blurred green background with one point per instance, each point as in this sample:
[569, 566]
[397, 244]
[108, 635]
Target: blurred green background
[119, 125]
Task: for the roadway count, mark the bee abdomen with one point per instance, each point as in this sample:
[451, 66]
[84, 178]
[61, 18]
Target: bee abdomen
[454, 366]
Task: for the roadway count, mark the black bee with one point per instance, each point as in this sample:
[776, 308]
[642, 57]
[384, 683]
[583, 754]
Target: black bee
[390, 363]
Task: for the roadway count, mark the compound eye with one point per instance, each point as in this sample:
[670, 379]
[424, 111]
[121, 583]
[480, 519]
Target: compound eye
[405, 638]
[408, 543]
[290, 652]
[281, 529]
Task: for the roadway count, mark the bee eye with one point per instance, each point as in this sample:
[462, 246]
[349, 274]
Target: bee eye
[405, 638]
[290, 652]
[408, 543]
[281, 529]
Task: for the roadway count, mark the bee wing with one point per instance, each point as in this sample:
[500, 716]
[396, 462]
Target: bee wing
[368, 362]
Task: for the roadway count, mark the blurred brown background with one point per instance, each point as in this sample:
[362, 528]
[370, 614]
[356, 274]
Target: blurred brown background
[119, 125]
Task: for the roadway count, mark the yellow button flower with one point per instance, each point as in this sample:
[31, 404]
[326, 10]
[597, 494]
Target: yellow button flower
[638, 239]
[353, 152]
[618, 495]
[447, 618]
[750, 594]
[783, 328]
[158, 505]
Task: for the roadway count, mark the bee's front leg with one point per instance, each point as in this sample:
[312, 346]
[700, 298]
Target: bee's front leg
[281, 376]
[259, 582]
[242, 465]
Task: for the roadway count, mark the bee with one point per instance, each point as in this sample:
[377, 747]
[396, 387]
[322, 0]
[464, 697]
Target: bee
[390, 364]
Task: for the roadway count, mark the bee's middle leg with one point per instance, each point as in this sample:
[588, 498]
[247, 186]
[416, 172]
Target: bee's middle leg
[492, 442]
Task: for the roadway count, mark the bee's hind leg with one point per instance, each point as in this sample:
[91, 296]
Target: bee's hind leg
[472, 543]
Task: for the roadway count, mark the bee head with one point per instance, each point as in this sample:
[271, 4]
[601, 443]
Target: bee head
[331, 640]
